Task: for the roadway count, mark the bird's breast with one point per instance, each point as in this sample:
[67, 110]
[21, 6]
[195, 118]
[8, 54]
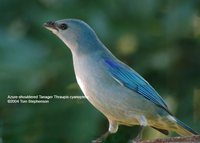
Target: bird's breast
[91, 78]
[81, 84]
[94, 82]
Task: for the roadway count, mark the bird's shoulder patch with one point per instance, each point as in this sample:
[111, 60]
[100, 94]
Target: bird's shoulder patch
[133, 81]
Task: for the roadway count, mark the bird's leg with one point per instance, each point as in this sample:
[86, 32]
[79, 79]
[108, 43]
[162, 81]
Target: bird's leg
[113, 127]
[143, 122]
[138, 137]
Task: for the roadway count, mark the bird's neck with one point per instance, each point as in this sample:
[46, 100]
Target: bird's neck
[88, 47]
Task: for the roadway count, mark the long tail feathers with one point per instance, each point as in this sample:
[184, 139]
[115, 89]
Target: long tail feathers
[183, 129]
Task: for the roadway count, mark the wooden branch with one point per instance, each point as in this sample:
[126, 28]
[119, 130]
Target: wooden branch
[189, 139]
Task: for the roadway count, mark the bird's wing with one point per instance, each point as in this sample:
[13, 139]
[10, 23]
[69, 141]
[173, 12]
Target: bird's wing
[132, 80]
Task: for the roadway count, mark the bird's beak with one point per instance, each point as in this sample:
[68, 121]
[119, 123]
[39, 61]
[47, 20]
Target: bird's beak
[50, 25]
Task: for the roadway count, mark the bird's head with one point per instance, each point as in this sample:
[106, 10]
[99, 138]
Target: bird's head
[76, 34]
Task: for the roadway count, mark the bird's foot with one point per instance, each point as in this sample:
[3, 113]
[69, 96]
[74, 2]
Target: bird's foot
[102, 138]
[134, 141]
[138, 139]
[97, 141]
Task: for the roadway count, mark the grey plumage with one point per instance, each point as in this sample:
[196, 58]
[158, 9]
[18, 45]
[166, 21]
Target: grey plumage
[115, 89]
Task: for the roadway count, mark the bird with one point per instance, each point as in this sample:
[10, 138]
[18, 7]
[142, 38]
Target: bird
[121, 94]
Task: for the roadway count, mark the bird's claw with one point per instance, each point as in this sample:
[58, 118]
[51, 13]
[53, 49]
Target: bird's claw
[135, 141]
[97, 141]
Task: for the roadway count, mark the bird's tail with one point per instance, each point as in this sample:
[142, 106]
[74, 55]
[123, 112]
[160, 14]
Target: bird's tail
[183, 129]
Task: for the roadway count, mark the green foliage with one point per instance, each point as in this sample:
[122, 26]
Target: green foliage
[159, 39]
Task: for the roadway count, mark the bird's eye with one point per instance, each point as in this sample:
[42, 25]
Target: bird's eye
[63, 26]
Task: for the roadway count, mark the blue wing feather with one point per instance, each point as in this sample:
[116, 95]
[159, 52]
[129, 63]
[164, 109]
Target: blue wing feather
[132, 80]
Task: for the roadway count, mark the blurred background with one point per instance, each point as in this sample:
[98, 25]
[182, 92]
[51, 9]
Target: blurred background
[159, 39]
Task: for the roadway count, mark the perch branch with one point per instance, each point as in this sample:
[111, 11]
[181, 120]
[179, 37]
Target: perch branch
[189, 139]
